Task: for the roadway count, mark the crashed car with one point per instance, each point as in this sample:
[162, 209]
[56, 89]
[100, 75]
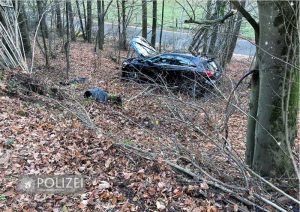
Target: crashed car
[182, 70]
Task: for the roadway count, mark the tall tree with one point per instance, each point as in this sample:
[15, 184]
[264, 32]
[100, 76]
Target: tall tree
[82, 27]
[162, 24]
[100, 34]
[67, 44]
[101, 14]
[42, 18]
[89, 21]
[122, 24]
[275, 91]
[71, 20]
[154, 23]
[123, 40]
[235, 34]
[43, 28]
[59, 25]
[84, 15]
[144, 19]
[22, 19]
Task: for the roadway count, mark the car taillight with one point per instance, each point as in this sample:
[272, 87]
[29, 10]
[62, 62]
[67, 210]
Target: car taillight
[209, 73]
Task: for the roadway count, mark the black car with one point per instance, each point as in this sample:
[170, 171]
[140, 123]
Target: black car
[182, 70]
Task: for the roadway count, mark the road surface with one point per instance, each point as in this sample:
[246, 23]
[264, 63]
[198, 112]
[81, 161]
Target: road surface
[177, 40]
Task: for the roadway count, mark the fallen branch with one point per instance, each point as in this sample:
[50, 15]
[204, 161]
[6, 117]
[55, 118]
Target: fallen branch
[198, 178]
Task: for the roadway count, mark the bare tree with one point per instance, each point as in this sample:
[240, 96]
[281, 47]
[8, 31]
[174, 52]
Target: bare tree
[22, 19]
[82, 27]
[162, 24]
[154, 23]
[123, 40]
[144, 19]
[101, 14]
[59, 25]
[71, 20]
[89, 21]
[44, 30]
[67, 44]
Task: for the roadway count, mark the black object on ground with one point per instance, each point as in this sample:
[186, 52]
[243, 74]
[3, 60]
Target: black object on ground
[102, 96]
[98, 94]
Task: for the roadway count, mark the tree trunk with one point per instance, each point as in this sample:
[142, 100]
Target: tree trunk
[71, 20]
[235, 34]
[80, 20]
[251, 122]
[162, 24]
[205, 36]
[100, 34]
[22, 19]
[44, 30]
[42, 15]
[89, 21]
[59, 25]
[154, 23]
[214, 36]
[144, 19]
[84, 17]
[123, 41]
[67, 44]
[278, 99]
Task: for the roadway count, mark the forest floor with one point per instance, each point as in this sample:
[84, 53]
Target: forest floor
[127, 160]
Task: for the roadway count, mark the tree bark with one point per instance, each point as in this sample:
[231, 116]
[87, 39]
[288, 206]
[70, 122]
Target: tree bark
[100, 34]
[162, 24]
[214, 36]
[84, 17]
[44, 30]
[22, 19]
[278, 99]
[82, 27]
[67, 44]
[42, 16]
[59, 25]
[71, 20]
[235, 34]
[154, 23]
[89, 21]
[144, 19]
[124, 35]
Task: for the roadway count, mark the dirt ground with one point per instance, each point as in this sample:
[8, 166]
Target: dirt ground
[42, 135]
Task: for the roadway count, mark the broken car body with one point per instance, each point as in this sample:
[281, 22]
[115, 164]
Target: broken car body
[182, 70]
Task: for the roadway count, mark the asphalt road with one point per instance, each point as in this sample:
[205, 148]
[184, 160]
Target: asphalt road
[175, 39]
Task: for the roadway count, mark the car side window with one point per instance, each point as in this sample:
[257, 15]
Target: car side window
[182, 61]
[162, 60]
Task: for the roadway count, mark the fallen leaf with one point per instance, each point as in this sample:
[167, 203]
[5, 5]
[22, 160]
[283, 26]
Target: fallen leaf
[103, 185]
[160, 206]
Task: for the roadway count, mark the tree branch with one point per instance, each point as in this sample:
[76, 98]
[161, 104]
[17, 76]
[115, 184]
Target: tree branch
[246, 15]
[210, 22]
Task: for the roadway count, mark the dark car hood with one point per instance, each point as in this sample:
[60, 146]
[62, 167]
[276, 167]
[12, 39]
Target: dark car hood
[142, 47]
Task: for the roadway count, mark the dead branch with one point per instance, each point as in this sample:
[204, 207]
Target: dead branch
[211, 22]
[246, 15]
